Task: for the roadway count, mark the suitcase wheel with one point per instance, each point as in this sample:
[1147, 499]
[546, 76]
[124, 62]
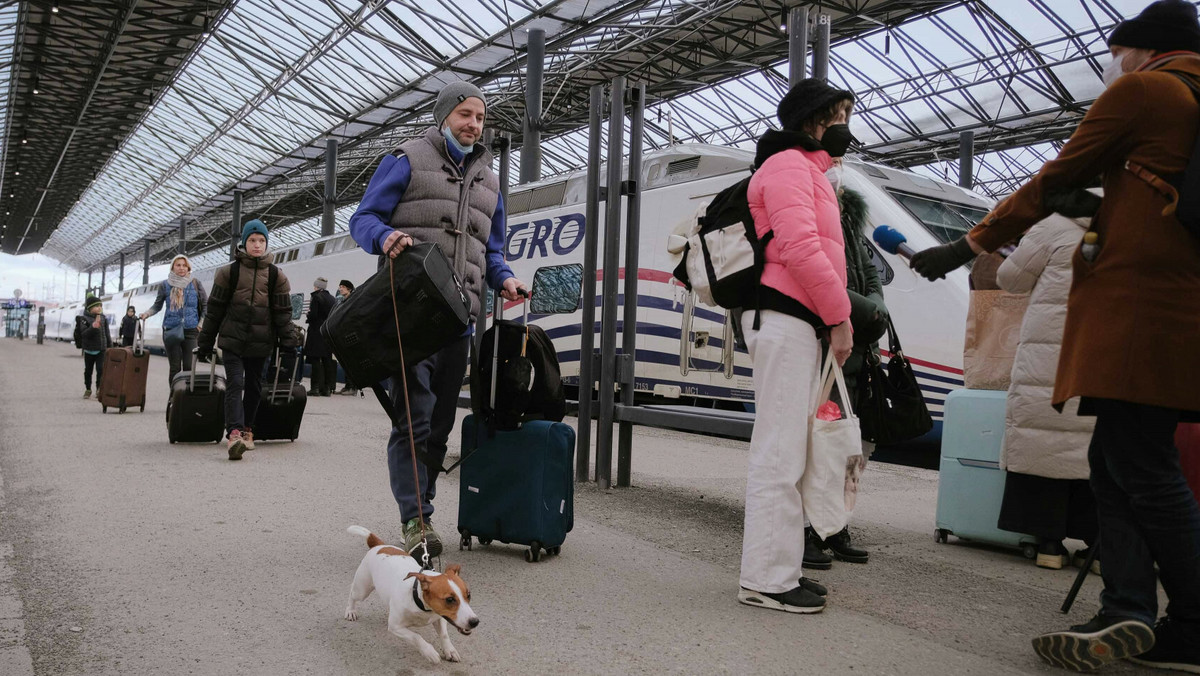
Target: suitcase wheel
[534, 553]
[103, 408]
[466, 541]
[485, 541]
[121, 410]
[941, 535]
[1029, 550]
[555, 550]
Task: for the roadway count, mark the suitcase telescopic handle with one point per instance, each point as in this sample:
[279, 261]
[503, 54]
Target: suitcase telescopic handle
[278, 366]
[139, 338]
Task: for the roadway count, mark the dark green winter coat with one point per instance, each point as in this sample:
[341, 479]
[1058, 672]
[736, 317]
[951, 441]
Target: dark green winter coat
[868, 314]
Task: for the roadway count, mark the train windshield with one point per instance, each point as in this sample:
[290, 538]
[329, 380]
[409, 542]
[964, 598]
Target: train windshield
[946, 220]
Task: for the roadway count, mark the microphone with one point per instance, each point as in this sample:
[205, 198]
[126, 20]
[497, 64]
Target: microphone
[892, 241]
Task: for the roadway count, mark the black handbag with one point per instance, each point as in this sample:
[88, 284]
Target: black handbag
[430, 310]
[891, 407]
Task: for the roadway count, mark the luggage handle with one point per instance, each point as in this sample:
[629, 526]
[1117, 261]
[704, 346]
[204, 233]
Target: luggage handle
[291, 380]
[497, 315]
[139, 338]
[212, 370]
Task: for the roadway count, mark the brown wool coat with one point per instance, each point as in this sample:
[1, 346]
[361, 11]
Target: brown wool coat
[1133, 315]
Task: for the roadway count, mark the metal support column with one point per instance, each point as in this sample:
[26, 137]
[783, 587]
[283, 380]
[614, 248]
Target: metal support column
[821, 49]
[612, 262]
[531, 127]
[966, 159]
[587, 325]
[89, 286]
[145, 262]
[331, 153]
[182, 235]
[103, 278]
[121, 278]
[633, 216]
[797, 27]
[235, 225]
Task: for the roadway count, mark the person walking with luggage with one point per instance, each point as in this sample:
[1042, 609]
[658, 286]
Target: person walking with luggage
[437, 188]
[185, 300]
[128, 327]
[92, 335]
[801, 298]
[1128, 348]
[869, 317]
[250, 311]
[345, 288]
[316, 352]
[1046, 492]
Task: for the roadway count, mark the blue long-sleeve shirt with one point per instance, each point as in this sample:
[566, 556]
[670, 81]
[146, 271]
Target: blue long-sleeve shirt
[369, 226]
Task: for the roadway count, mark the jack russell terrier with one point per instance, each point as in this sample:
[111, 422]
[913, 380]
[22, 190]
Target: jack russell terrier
[416, 597]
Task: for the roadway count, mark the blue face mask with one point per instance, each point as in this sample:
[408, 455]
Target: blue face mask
[463, 150]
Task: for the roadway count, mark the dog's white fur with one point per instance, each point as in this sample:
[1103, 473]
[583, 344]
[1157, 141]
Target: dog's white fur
[393, 574]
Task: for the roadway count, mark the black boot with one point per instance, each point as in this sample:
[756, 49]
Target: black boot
[839, 544]
[815, 557]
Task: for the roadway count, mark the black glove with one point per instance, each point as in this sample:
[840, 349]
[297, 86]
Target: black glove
[204, 352]
[935, 263]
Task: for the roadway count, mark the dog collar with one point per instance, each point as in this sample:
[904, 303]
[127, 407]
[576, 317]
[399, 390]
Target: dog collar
[416, 596]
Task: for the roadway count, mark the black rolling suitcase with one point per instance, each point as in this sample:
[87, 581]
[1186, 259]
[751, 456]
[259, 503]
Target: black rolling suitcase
[196, 410]
[282, 405]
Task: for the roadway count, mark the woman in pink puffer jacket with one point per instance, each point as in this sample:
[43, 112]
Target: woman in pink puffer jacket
[802, 298]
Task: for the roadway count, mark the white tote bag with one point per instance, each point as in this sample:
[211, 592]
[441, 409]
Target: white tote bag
[830, 444]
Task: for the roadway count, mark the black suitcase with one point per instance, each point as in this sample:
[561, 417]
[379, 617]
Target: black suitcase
[282, 405]
[196, 410]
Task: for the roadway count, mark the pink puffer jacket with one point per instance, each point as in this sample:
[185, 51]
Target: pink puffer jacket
[806, 258]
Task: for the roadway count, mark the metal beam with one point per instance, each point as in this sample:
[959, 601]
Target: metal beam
[966, 159]
[306, 60]
[797, 26]
[330, 201]
[821, 49]
[121, 278]
[612, 255]
[587, 325]
[118, 29]
[235, 225]
[633, 243]
[531, 134]
[145, 262]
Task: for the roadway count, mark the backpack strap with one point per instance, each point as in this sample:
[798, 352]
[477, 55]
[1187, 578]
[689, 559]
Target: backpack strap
[235, 269]
[272, 277]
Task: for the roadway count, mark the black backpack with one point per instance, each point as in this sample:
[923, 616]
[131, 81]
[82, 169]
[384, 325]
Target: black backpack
[529, 386]
[730, 256]
[1188, 183]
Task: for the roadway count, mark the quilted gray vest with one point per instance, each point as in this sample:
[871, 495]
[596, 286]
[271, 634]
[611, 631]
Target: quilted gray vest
[449, 207]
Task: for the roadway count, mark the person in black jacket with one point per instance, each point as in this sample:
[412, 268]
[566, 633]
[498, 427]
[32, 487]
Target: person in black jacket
[93, 337]
[316, 352]
[128, 326]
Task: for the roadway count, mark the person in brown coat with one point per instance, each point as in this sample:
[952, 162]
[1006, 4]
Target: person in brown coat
[1129, 344]
[251, 312]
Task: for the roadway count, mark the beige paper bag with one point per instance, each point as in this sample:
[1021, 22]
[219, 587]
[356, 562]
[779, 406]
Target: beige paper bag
[993, 329]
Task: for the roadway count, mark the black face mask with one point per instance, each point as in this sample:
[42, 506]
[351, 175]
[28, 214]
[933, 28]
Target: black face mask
[837, 139]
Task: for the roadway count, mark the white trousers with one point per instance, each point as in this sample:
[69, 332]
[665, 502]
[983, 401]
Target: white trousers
[787, 361]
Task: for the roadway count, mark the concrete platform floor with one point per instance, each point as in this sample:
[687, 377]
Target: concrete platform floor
[122, 554]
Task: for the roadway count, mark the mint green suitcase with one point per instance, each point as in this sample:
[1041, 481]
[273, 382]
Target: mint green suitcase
[970, 481]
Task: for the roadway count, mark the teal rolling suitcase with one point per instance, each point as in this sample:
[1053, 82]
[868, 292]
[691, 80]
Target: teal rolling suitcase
[970, 481]
[517, 486]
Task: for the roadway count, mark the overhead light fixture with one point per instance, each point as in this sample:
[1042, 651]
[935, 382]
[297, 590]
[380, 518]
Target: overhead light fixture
[207, 28]
[24, 140]
[35, 86]
[54, 8]
[17, 172]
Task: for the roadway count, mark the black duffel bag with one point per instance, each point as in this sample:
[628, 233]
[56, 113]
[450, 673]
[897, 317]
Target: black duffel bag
[431, 308]
[891, 407]
[516, 398]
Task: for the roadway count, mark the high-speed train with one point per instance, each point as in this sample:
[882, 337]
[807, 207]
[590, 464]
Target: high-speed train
[685, 348]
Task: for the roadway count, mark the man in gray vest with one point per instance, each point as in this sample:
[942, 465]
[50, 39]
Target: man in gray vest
[437, 188]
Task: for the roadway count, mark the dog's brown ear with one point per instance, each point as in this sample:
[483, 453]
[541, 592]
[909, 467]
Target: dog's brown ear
[424, 579]
[453, 569]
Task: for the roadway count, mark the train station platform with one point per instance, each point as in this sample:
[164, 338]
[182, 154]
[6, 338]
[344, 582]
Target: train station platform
[123, 554]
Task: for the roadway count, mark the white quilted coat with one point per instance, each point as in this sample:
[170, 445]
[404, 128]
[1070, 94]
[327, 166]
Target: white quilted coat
[1037, 439]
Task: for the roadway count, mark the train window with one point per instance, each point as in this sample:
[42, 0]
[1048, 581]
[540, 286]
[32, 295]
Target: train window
[548, 196]
[886, 274]
[947, 221]
[320, 250]
[518, 203]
